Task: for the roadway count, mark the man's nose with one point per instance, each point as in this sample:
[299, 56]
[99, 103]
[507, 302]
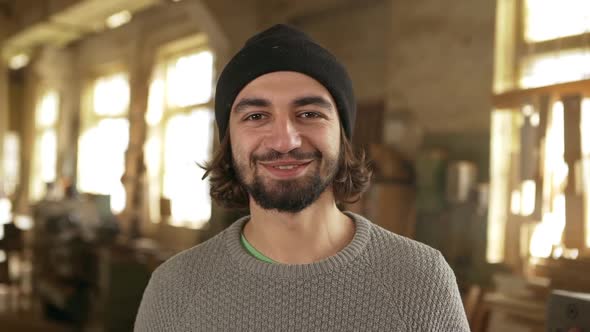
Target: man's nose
[284, 136]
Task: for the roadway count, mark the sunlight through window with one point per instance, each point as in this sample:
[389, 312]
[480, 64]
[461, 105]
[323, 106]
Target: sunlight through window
[153, 154]
[541, 44]
[188, 142]
[44, 159]
[5, 211]
[153, 144]
[111, 95]
[190, 79]
[48, 155]
[550, 231]
[180, 135]
[46, 114]
[102, 145]
[155, 103]
[102, 160]
[11, 162]
[556, 67]
[551, 19]
[528, 190]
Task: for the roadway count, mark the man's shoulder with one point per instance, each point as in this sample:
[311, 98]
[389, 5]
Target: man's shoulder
[193, 262]
[398, 245]
[421, 279]
[418, 279]
[394, 252]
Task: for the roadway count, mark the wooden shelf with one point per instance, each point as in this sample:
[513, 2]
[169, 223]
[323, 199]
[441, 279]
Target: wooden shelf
[567, 274]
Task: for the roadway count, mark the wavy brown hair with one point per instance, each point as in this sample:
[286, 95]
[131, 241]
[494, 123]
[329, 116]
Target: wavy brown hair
[352, 178]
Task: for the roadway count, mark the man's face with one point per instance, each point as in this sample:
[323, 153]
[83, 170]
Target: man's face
[285, 139]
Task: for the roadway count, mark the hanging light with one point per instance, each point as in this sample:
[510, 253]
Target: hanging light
[118, 19]
[19, 61]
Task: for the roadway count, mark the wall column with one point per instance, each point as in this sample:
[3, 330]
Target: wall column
[4, 106]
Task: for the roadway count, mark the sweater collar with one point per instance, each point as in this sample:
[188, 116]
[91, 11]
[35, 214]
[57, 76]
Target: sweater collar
[244, 260]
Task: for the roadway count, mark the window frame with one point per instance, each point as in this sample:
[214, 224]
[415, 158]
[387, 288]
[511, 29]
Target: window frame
[38, 132]
[89, 118]
[511, 49]
[527, 48]
[166, 56]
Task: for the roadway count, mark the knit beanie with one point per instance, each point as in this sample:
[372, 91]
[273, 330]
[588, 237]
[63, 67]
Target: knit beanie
[283, 48]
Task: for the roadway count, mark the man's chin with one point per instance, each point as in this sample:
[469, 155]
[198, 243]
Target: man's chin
[282, 194]
[283, 204]
[291, 196]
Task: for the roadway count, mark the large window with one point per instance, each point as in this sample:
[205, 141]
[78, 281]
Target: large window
[43, 169]
[104, 139]
[11, 162]
[551, 19]
[556, 42]
[555, 67]
[180, 136]
[533, 188]
[549, 232]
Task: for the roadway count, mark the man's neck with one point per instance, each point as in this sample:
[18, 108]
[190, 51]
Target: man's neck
[317, 232]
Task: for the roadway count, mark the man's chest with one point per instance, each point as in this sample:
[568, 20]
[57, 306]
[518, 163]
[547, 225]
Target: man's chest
[331, 303]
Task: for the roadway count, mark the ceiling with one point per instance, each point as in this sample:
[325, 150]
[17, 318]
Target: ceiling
[63, 24]
[6, 8]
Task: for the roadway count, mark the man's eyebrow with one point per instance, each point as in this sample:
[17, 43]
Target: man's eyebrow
[251, 102]
[313, 100]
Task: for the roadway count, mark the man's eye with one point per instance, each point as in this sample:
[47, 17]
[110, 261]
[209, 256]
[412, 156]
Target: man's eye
[310, 115]
[254, 117]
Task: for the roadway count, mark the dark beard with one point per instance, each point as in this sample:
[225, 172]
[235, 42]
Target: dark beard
[290, 196]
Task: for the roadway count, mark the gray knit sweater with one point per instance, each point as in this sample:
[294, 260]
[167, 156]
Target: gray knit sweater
[379, 282]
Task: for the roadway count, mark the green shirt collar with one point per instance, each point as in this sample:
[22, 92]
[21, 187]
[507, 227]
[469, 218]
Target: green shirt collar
[252, 251]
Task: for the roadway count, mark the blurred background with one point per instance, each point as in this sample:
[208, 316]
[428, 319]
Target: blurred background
[475, 114]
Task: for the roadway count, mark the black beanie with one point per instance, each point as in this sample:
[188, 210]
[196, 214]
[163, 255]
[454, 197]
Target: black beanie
[283, 48]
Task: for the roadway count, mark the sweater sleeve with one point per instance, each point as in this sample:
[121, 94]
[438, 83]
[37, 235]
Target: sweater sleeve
[421, 283]
[447, 312]
[159, 308]
[174, 285]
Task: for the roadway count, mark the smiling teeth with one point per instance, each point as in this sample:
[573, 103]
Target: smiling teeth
[285, 167]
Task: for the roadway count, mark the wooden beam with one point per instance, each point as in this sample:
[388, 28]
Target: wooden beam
[4, 107]
[515, 98]
[563, 43]
[573, 236]
[543, 104]
[299, 12]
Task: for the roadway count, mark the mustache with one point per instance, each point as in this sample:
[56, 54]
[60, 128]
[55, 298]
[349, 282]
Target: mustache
[294, 154]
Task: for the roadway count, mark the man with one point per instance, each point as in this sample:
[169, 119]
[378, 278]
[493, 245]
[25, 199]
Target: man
[285, 111]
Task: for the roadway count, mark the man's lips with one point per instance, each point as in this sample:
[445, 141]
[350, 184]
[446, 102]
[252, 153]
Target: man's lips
[284, 164]
[286, 168]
